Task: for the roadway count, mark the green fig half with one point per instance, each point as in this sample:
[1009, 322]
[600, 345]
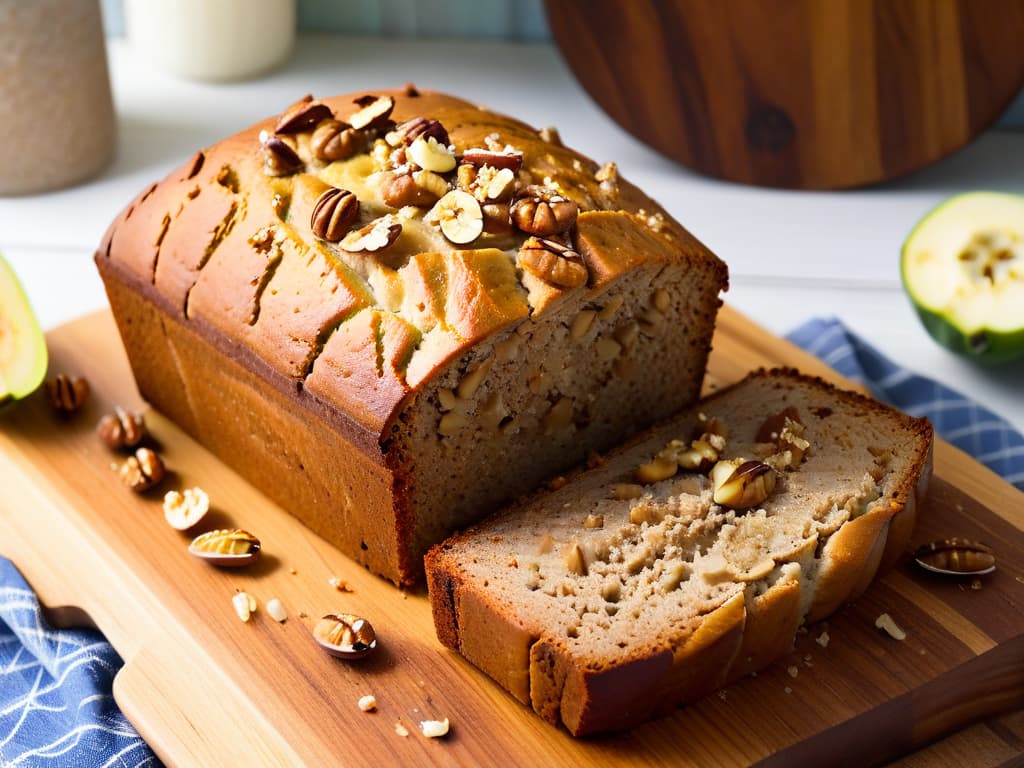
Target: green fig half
[22, 344]
[963, 268]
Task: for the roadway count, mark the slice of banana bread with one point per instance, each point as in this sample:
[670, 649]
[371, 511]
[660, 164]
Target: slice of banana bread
[690, 557]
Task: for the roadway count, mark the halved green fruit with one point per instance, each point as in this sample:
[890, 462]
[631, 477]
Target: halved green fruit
[22, 344]
[963, 268]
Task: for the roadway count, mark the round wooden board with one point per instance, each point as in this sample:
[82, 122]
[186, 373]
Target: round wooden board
[810, 94]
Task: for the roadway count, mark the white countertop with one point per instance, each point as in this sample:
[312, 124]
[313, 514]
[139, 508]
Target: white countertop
[792, 255]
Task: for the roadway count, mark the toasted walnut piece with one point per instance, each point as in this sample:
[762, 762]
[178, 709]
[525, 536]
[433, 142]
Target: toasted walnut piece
[512, 160]
[558, 417]
[367, 703]
[276, 611]
[416, 128]
[279, 157]
[142, 470]
[473, 379]
[229, 547]
[432, 182]
[625, 491]
[302, 116]
[66, 394]
[334, 140]
[446, 399]
[374, 113]
[121, 429]
[183, 510]
[607, 349]
[334, 214]
[582, 323]
[459, 216]
[375, 236]
[552, 262]
[431, 155]
[627, 334]
[611, 307]
[593, 521]
[493, 412]
[496, 218]
[398, 190]
[244, 605]
[740, 484]
[537, 215]
[651, 322]
[452, 423]
[486, 183]
[575, 560]
[345, 636]
[661, 300]
[655, 471]
[434, 729]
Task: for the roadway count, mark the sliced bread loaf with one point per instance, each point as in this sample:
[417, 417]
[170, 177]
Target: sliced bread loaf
[688, 558]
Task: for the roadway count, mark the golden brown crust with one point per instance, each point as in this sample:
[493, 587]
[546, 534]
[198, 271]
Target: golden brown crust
[201, 238]
[223, 255]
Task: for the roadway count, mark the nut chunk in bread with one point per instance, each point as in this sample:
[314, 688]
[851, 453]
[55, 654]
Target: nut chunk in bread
[674, 568]
[393, 311]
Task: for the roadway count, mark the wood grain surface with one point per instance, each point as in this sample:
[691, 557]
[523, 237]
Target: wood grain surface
[205, 689]
[797, 93]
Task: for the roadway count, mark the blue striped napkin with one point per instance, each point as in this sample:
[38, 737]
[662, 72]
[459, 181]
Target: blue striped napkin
[56, 707]
[967, 425]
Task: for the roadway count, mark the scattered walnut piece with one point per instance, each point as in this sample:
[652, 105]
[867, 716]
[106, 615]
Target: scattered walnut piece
[183, 510]
[742, 484]
[822, 640]
[244, 604]
[434, 729]
[368, 703]
[276, 611]
[142, 470]
[885, 622]
[121, 429]
[66, 394]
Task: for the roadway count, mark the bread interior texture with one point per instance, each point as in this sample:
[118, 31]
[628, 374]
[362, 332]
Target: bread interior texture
[606, 583]
[539, 397]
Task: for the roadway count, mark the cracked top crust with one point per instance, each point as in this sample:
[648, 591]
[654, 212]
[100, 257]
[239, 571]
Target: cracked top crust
[229, 241]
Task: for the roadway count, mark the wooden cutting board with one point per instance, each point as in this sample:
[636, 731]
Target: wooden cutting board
[205, 689]
[807, 94]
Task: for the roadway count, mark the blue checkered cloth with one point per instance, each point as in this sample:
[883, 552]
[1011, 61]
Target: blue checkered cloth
[56, 707]
[967, 425]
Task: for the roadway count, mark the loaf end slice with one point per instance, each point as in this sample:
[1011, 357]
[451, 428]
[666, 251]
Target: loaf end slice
[630, 591]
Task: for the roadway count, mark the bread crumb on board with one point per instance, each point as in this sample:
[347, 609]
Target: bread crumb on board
[368, 703]
[885, 622]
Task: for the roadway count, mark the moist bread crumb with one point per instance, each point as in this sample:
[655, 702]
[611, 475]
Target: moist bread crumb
[394, 311]
[600, 628]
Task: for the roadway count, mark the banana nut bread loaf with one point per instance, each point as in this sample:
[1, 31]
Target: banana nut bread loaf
[393, 311]
[690, 558]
